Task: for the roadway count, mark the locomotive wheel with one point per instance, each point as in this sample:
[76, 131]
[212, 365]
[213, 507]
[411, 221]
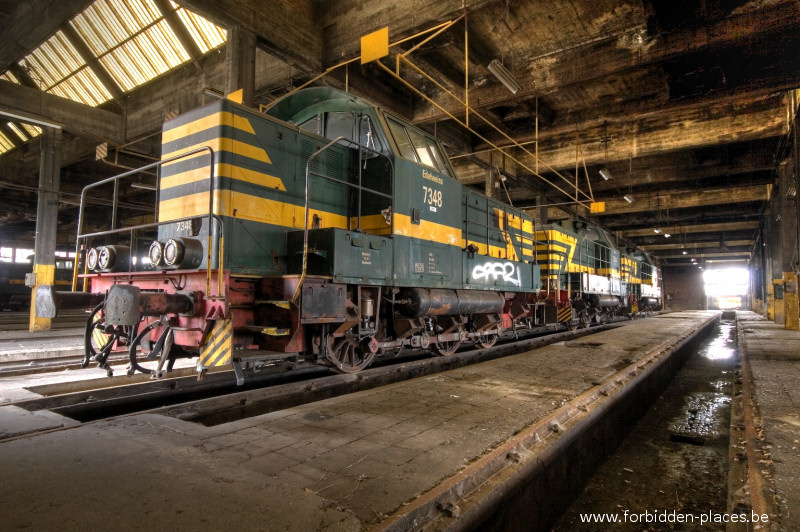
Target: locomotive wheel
[347, 355]
[100, 339]
[486, 340]
[445, 349]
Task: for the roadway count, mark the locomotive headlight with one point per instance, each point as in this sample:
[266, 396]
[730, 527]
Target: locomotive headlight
[91, 259]
[186, 253]
[156, 253]
[106, 257]
[173, 252]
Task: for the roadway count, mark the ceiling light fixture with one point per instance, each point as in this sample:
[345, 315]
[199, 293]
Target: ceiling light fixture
[667, 235]
[656, 231]
[606, 174]
[628, 198]
[505, 77]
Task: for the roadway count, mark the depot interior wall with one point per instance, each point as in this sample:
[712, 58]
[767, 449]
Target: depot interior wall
[683, 288]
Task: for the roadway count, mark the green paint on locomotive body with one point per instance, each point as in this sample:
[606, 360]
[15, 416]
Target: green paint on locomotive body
[409, 198]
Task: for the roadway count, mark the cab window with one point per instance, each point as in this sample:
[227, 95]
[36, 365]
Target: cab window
[416, 146]
[421, 148]
[402, 141]
[311, 125]
[339, 124]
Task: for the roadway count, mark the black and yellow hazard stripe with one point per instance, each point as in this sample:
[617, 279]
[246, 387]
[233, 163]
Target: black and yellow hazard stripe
[218, 348]
[554, 251]
[565, 313]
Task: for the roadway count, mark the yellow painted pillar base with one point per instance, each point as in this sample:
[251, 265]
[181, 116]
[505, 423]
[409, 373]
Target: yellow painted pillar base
[770, 301]
[780, 314]
[790, 301]
[45, 274]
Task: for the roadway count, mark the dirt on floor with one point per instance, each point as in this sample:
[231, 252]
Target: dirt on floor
[671, 471]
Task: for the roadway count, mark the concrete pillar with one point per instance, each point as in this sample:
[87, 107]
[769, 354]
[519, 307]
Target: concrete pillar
[44, 269]
[789, 244]
[775, 255]
[491, 178]
[241, 60]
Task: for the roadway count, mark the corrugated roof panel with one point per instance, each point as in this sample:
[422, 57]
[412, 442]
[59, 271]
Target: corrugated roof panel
[83, 87]
[8, 76]
[206, 34]
[107, 23]
[165, 40]
[18, 131]
[5, 144]
[144, 57]
[53, 61]
[130, 38]
[33, 131]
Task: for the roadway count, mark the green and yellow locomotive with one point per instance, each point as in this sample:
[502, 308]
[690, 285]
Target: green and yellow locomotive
[325, 230]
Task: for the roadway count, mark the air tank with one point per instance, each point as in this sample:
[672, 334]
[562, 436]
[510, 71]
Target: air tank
[418, 302]
[603, 301]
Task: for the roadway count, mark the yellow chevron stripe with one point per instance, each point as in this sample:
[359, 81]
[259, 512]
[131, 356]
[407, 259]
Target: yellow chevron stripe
[219, 118]
[221, 144]
[244, 206]
[223, 170]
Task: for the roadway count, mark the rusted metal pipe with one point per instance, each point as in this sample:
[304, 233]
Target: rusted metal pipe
[49, 302]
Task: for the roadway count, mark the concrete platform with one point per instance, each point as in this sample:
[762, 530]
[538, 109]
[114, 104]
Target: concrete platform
[17, 345]
[771, 388]
[435, 451]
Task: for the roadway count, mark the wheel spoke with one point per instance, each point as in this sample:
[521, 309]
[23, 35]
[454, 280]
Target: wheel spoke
[346, 355]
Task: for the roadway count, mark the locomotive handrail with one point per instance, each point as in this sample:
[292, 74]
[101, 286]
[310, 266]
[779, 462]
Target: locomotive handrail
[357, 186]
[133, 229]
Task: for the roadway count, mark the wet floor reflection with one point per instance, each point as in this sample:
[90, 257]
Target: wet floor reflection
[676, 458]
[723, 346]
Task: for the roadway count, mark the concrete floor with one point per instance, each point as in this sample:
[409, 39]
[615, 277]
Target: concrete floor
[771, 371]
[359, 461]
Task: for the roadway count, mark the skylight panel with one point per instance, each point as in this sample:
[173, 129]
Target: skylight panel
[8, 76]
[17, 131]
[108, 23]
[5, 144]
[53, 61]
[130, 39]
[145, 57]
[84, 87]
[205, 34]
[32, 131]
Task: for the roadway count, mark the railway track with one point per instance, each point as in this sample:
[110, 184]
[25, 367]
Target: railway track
[217, 399]
[19, 321]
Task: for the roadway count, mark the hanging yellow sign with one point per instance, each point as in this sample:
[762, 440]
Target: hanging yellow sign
[375, 45]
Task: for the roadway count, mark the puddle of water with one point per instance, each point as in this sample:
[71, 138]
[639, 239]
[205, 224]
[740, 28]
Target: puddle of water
[676, 458]
[723, 346]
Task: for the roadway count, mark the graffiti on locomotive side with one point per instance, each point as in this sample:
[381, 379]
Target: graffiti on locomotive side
[493, 271]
